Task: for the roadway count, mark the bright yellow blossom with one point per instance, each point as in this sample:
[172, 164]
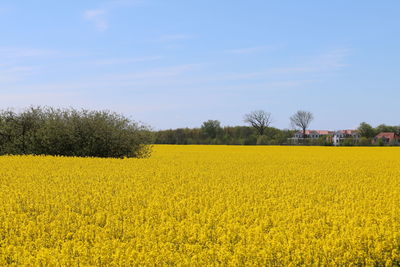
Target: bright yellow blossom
[203, 205]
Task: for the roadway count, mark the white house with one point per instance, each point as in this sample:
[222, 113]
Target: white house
[337, 137]
[341, 135]
[312, 134]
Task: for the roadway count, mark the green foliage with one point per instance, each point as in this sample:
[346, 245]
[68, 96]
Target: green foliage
[348, 142]
[262, 140]
[321, 141]
[211, 128]
[326, 141]
[69, 132]
[250, 140]
[366, 130]
[230, 135]
[394, 142]
[364, 141]
[379, 142]
[386, 128]
[245, 135]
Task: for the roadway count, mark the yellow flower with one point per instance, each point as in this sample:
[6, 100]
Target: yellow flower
[204, 205]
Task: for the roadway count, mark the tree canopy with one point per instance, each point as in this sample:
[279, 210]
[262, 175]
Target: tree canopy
[211, 128]
[366, 130]
[70, 132]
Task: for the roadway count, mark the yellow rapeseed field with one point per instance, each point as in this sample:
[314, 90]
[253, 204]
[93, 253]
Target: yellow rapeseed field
[203, 205]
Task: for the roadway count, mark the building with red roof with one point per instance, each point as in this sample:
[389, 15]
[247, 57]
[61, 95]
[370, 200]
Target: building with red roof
[388, 138]
[336, 137]
[313, 134]
[341, 135]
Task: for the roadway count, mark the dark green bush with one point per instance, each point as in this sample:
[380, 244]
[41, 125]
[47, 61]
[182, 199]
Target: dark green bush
[364, 141]
[348, 142]
[69, 132]
[263, 140]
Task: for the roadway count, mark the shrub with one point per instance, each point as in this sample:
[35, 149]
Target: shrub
[348, 142]
[364, 141]
[379, 142]
[262, 140]
[69, 132]
[250, 140]
[394, 143]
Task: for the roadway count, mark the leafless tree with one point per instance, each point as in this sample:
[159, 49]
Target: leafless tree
[259, 119]
[302, 119]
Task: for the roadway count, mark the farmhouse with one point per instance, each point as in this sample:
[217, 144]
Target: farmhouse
[336, 137]
[388, 138]
[313, 134]
[339, 136]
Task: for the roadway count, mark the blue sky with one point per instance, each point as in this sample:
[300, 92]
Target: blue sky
[178, 63]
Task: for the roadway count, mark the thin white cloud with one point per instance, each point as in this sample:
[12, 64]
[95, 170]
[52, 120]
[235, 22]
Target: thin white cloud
[16, 62]
[19, 53]
[20, 69]
[133, 80]
[98, 18]
[250, 50]
[178, 78]
[38, 98]
[152, 75]
[10, 74]
[327, 62]
[123, 3]
[174, 37]
[332, 59]
[120, 61]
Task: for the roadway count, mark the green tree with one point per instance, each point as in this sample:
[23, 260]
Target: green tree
[348, 142]
[69, 132]
[211, 128]
[262, 140]
[386, 128]
[364, 141]
[366, 130]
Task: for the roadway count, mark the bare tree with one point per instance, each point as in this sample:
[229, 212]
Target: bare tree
[302, 119]
[259, 119]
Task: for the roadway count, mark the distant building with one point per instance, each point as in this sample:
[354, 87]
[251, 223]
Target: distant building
[299, 138]
[336, 137]
[313, 134]
[341, 135]
[388, 138]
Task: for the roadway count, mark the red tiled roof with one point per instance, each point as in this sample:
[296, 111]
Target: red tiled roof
[320, 132]
[323, 132]
[350, 131]
[387, 135]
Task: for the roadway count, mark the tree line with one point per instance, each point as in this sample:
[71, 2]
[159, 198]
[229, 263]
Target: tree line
[212, 133]
[260, 132]
[71, 132]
